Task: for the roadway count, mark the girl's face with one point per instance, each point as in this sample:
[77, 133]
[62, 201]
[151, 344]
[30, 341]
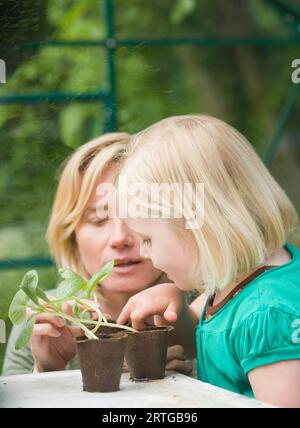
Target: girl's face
[168, 252]
[101, 240]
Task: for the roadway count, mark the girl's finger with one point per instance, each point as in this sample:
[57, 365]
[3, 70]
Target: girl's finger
[46, 330]
[137, 322]
[171, 312]
[124, 315]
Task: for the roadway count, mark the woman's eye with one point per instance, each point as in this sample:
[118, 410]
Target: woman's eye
[97, 221]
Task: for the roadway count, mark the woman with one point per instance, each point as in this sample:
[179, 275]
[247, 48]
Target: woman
[79, 239]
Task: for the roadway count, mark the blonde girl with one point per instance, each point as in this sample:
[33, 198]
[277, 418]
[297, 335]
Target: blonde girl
[79, 239]
[235, 253]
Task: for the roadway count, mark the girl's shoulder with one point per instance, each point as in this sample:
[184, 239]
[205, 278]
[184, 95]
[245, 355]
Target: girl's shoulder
[275, 291]
[279, 287]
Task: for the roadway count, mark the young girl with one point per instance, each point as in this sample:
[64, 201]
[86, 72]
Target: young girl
[248, 332]
[79, 239]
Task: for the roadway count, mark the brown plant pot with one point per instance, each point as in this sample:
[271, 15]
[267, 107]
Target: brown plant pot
[101, 361]
[146, 353]
[103, 329]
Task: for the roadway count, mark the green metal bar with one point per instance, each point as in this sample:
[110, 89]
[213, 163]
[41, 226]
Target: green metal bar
[213, 41]
[110, 109]
[25, 263]
[197, 41]
[287, 109]
[57, 97]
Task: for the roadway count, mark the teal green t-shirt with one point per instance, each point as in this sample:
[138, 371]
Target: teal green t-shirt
[260, 325]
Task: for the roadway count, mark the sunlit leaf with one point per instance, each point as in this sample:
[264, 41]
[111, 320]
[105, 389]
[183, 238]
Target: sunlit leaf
[29, 284]
[26, 334]
[98, 277]
[17, 309]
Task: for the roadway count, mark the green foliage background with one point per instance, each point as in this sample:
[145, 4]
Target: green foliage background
[245, 85]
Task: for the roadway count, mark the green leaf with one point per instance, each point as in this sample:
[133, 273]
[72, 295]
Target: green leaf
[181, 10]
[85, 315]
[17, 309]
[26, 333]
[76, 310]
[98, 277]
[42, 295]
[29, 284]
[70, 286]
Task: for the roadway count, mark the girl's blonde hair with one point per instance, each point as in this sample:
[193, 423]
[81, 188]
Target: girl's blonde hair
[247, 216]
[76, 184]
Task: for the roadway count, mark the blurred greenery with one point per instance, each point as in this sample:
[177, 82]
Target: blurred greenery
[245, 85]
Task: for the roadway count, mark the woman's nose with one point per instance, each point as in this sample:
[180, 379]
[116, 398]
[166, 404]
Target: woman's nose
[144, 253]
[121, 236]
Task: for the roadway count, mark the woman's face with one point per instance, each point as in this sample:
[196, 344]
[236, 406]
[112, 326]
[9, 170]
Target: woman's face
[161, 244]
[101, 240]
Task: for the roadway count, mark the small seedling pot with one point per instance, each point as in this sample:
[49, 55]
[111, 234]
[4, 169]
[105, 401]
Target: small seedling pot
[101, 361]
[146, 353]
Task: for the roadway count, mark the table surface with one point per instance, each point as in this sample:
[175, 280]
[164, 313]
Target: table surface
[64, 389]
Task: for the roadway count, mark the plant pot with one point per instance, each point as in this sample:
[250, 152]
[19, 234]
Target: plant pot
[146, 353]
[101, 361]
[103, 329]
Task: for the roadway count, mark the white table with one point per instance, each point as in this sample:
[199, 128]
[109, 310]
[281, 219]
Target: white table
[64, 389]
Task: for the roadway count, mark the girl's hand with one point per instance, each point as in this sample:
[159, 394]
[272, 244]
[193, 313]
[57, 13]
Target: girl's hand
[52, 343]
[162, 299]
[176, 360]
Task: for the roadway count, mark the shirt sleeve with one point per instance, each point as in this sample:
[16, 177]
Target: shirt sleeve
[267, 336]
[17, 362]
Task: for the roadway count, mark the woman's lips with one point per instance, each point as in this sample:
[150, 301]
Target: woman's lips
[125, 267]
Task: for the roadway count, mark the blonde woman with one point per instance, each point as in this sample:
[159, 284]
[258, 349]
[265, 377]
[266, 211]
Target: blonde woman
[79, 239]
[248, 332]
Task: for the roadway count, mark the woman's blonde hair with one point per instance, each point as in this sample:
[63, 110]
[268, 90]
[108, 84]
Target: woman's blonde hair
[247, 216]
[76, 184]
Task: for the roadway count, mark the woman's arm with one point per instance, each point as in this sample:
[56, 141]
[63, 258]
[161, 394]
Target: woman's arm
[17, 362]
[277, 384]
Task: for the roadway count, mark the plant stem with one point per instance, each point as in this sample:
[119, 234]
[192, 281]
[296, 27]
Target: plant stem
[89, 334]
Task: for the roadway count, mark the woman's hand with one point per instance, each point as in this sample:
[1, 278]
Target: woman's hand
[162, 299]
[176, 360]
[52, 343]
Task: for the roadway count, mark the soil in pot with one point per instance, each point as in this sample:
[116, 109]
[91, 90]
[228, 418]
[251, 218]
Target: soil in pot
[146, 353]
[101, 361]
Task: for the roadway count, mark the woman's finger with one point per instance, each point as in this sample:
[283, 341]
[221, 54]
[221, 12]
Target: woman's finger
[176, 352]
[46, 329]
[184, 367]
[55, 320]
[75, 331]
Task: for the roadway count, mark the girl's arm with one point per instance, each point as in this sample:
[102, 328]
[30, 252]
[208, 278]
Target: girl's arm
[169, 305]
[277, 384]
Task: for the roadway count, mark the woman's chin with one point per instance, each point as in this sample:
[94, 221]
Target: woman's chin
[124, 287]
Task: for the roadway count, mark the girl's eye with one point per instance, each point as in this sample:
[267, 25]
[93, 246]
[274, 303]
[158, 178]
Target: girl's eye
[146, 241]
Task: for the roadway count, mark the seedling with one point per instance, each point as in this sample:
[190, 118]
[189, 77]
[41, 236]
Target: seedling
[72, 288]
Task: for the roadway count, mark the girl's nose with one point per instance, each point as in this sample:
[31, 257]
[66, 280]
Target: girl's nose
[121, 236]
